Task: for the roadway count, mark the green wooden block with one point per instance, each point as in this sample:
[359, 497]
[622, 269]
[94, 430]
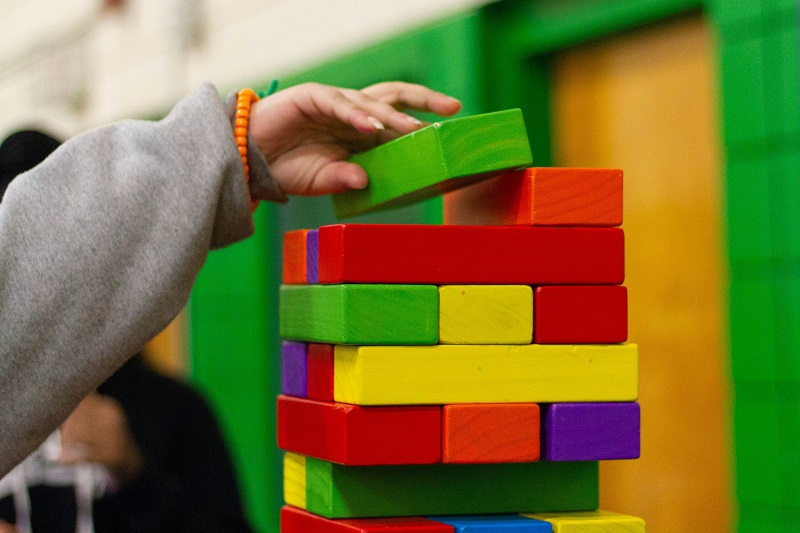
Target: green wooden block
[743, 91]
[360, 314]
[752, 320]
[758, 468]
[749, 209]
[337, 491]
[442, 157]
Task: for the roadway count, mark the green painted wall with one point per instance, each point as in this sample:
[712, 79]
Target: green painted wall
[760, 85]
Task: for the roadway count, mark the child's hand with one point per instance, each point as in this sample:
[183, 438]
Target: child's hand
[308, 132]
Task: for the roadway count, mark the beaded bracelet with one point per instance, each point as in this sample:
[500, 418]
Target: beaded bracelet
[244, 100]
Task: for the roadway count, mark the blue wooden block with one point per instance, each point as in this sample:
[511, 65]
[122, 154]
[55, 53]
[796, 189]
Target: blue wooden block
[495, 524]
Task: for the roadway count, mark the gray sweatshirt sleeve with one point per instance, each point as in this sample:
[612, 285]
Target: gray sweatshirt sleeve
[99, 248]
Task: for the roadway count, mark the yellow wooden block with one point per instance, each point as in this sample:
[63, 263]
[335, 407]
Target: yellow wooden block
[294, 479]
[591, 522]
[485, 314]
[446, 374]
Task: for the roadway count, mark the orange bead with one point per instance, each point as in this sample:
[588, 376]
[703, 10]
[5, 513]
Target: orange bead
[247, 93]
[241, 122]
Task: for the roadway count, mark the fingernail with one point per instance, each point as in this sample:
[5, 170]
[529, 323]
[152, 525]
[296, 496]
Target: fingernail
[377, 123]
[414, 120]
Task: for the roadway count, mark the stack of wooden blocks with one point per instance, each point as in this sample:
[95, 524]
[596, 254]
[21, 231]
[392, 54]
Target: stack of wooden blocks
[459, 378]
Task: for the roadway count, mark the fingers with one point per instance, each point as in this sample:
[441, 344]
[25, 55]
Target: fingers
[401, 95]
[8, 528]
[332, 102]
[390, 117]
[375, 109]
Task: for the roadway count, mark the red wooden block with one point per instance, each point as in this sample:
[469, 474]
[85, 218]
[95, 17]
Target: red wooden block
[294, 257]
[490, 433]
[513, 255]
[541, 197]
[295, 520]
[580, 314]
[320, 372]
[356, 436]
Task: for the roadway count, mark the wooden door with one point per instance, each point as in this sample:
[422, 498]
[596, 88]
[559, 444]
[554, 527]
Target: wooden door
[646, 102]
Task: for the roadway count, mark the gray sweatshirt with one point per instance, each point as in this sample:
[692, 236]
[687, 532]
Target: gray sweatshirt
[99, 248]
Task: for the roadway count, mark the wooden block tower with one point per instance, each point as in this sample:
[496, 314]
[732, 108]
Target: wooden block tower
[463, 378]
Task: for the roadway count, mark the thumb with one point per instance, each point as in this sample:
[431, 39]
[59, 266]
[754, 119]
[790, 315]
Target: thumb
[339, 176]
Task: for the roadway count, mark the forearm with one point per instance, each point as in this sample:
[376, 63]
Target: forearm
[99, 248]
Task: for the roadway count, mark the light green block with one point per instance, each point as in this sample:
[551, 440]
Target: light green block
[337, 491]
[360, 314]
[439, 158]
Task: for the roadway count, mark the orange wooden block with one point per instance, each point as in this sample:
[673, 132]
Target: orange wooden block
[490, 433]
[548, 196]
[294, 257]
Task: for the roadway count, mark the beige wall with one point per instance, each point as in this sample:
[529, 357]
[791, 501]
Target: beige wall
[69, 65]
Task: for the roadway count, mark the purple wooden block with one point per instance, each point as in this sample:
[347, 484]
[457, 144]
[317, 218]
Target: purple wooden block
[312, 256]
[294, 368]
[590, 431]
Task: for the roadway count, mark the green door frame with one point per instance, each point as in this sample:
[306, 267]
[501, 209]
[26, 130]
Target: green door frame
[495, 58]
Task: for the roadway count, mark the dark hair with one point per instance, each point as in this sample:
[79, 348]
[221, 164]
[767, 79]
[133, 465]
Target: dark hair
[21, 151]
